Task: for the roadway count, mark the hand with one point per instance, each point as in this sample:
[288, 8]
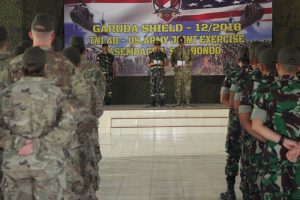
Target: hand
[293, 154]
[27, 149]
[175, 66]
[289, 144]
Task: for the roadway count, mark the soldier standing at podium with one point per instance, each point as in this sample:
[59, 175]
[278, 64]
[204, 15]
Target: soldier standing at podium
[106, 62]
[157, 60]
[182, 59]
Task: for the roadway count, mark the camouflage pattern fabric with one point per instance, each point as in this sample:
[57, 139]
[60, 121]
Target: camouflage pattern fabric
[255, 148]
[233, 141]
[182, 76]
[5, 80]
[157, 86]
[278, 106]
[94, 75]
[106, 62]
[89, 150]
[32, 109]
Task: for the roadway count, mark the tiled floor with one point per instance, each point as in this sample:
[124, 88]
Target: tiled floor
[162, 166]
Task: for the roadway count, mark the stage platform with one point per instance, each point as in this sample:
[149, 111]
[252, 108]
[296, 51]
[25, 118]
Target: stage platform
[142, 119]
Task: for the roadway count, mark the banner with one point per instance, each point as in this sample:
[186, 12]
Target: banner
[213, 29]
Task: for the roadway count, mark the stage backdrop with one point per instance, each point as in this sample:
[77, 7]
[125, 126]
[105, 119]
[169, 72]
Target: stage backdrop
[214, 29]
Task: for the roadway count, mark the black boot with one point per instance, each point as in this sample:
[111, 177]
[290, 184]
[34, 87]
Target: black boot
[162, 101]
[153, 102]
[230, 193]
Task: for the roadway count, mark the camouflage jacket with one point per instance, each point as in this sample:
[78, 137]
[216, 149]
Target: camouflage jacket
[32, 108]
[86, 92]
[93, 75]
[184, 54]
[256, 82]
[106, 62]
[58, 69]
[5, 76]
[229, 81]
[240, 78]
[278, 106]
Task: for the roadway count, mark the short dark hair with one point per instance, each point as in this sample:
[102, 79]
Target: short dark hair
[73, 55]
[34, 60]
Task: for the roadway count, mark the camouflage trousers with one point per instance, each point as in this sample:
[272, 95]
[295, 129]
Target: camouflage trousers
[251, 167]
[183, 82]
[281, 180]
[233, 145]
[85, 163]
[157, 82]
[37, 176]
[109, 83]
[33, 189]
[1, 173]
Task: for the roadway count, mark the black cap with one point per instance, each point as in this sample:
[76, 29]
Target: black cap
[22, 46]
[157, 43]
[104, 45]
[268, 57]
[72, 54]
[34, 59]
[77, 42]
[181, 39]
[243, 53]
[3, 34]
[252, 47]
[289, 57]
[259, 48]
[43, 22]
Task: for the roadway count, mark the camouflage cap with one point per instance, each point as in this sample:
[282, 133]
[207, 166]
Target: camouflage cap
[157, 43]
[289, 57]
[268, 57]
[73, 55]
[34, 59]
[243, 53]
[252, 47]
[104, 45]
[181, 39]
[3, 34]
[43, 22]
[77, 42]
[259, 48]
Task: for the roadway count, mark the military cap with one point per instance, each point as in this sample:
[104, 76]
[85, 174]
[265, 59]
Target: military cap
[34, 59]
[77, 42]
[72, 54]
[43, 22]
[104, 45]
[157, 43]
[252, 47]
[181, 39]
[289, 57]
[243, 53]
[268, 57]
[259, 48]
[3, 34]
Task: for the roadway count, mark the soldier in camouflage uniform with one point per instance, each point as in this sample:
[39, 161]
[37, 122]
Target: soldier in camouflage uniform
[90, 71]
[157, 60]
[88, 95]
[106, 64]
[182, 55]
[233, 145]
[60, 71]
[276, 117]
[35, 128]
[5, 79]
[253, 143]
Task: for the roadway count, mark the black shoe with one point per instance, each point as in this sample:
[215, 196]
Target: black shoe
[107, 100]
[229, 195]
[162, 102]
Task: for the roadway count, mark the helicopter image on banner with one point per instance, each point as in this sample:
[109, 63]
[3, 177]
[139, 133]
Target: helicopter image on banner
[83, 16]
[252, 13]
